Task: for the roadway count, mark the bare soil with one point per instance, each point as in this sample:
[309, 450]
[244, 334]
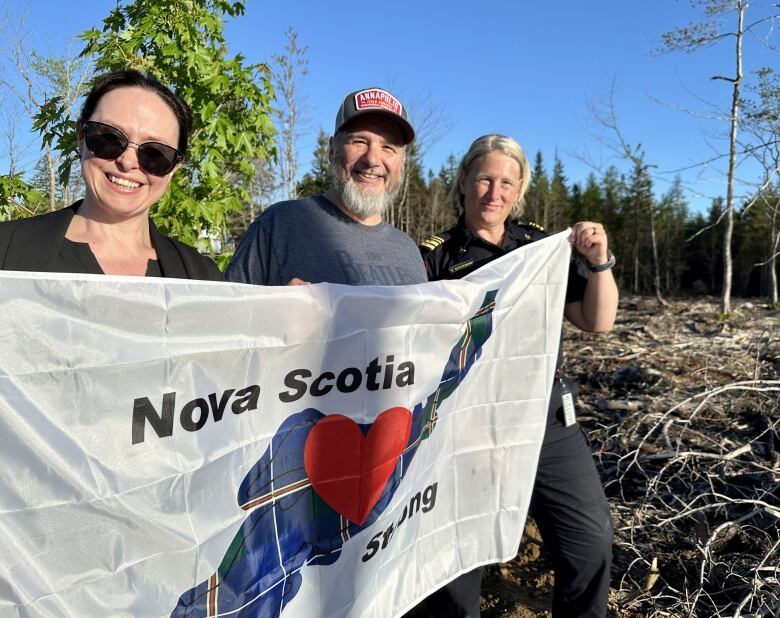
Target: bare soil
[682, 407]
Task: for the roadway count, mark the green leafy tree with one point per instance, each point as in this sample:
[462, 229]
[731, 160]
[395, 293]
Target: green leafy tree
[181, 42]
[19, 199]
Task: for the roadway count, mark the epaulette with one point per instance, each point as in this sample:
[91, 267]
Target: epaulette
[528, 230]
[434, 241]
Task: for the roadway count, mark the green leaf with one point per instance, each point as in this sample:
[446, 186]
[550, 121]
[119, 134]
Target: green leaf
[182, 43]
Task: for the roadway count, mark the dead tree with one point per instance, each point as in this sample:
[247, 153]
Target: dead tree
[703, 34]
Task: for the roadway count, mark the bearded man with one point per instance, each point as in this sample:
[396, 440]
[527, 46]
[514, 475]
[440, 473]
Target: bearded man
[341, 236]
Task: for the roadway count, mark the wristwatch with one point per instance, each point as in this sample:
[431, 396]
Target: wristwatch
[597, 268]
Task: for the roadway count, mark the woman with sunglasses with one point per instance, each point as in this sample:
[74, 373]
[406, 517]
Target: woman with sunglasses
[132, 136]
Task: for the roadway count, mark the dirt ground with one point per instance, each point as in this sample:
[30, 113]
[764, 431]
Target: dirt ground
[682, 408]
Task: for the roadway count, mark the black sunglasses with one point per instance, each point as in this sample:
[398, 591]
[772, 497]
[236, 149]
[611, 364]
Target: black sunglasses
[108, 142]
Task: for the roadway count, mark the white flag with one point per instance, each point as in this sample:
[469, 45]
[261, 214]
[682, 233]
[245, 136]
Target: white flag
[180, 448]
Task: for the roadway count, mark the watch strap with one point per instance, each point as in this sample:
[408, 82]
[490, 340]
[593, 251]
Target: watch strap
[597, 268]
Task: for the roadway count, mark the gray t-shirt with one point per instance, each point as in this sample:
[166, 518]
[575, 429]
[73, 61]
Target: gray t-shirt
[313, 240]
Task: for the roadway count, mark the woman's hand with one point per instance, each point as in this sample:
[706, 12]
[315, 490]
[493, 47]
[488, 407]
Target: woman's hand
[590, 239]
[597, 310]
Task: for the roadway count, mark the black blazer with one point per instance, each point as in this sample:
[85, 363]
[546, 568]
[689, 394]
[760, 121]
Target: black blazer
[33, 244]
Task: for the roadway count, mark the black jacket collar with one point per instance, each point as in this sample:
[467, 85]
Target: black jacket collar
[34, 243]
[514, 235]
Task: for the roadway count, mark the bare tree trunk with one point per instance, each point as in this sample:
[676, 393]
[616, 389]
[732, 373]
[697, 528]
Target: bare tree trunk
[636, 269]
[38, 75]
[9, 135]
[290, 67]
[434, 223]
[725, 301]
[656, 266]
[773, 261]
[635, 250]
[51, 167]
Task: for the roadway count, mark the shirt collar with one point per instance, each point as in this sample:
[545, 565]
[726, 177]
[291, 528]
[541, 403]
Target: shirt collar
[513, 235]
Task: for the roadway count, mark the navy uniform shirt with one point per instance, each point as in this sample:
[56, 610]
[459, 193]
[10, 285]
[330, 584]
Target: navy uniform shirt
[457, 252]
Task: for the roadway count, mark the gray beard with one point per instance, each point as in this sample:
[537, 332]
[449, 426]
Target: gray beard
[357, 203]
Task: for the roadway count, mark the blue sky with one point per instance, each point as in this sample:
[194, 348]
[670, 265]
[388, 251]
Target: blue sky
[527, 69]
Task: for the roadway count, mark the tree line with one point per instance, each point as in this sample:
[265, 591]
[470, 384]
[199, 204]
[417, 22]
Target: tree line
[248, 118]
[688, 254]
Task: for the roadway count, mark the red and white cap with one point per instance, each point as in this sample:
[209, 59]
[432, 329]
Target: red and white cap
[374, 101]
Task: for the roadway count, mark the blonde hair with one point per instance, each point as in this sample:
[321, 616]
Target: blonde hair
[482, 146]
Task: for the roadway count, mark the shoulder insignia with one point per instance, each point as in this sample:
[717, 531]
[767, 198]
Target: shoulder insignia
[536, 226]
[432, 242]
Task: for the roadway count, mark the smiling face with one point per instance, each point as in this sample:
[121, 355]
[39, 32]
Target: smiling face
[490, 188]
[367, 160]
[119, 189]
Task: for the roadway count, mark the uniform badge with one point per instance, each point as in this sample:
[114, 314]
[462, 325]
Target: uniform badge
[432, 242]
[461, 265]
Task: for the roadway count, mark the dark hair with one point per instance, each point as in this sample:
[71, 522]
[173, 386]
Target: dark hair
[129, 78]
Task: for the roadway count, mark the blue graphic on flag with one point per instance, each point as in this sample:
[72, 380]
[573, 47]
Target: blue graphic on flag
[288, 525]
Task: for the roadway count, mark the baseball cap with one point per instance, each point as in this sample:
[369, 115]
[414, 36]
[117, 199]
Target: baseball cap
[374, 101]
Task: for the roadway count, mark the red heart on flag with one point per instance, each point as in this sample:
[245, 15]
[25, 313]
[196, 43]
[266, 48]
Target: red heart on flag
[349, 470]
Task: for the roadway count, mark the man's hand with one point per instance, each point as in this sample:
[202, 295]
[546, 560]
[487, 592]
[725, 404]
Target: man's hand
[296, 281]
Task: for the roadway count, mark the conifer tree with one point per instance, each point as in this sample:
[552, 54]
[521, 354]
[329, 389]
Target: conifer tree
[641, 208]
[576, 208]
[538, 194]
[410, 213]
[672, 213]
[318, 179]
[447, 177]
[556, 214]
[592, 208]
